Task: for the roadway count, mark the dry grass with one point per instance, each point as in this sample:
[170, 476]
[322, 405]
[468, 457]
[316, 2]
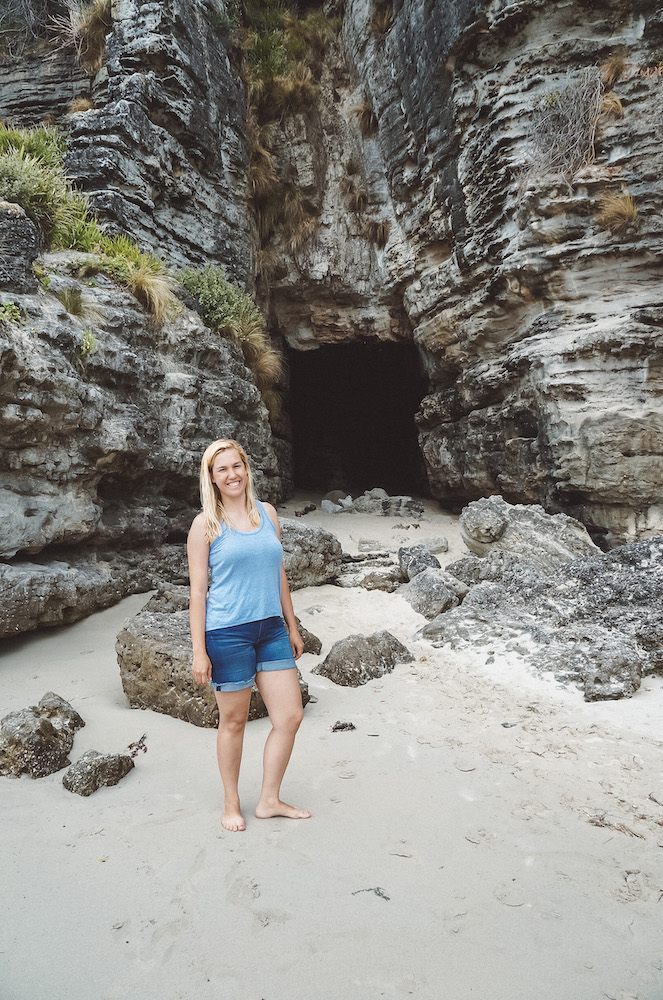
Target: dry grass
[152, 287]
[611, 70]
[617, 212]
[351, 166]
[563, 128]
[297, 222]
[79, 104]
[273, 400]
[293, 91]
[357, 200]
[381, 19]
[365, 115]
[84, 28]
[266, 261]
[378, 232]
[247, 327]
[611, 105]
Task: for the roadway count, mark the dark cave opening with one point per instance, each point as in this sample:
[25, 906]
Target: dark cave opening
[352, 408]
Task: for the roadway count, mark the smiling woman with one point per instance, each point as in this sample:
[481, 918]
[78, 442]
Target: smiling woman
[238, 630]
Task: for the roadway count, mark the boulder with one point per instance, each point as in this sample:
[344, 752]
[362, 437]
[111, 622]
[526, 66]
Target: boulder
[38, 739]
[168, 598]
[433, 591]
[94, 769]
[378, 501]
[357, 659]
[414, 559]
[154, 653]
[545, 541]
[311, 642]
[311, 555]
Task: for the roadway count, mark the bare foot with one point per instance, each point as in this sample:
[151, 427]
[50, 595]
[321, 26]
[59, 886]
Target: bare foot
[268, 809]
[232, 819]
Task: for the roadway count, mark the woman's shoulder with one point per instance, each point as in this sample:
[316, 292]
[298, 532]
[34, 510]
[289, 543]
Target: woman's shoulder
[197, 529]
[270, 512]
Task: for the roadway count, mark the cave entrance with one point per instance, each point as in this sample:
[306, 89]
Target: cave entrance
[352, 408]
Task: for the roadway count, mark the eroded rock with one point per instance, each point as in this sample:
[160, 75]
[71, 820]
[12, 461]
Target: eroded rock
[94, 770]
[155, 654]
[433, 591]
[38, 739]
[311, 555]
[358, 659]
[526, 532]
[414, 559]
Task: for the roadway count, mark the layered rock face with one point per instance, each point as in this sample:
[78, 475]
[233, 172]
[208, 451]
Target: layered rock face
[164, 157]
[541, 330]
[103, 419]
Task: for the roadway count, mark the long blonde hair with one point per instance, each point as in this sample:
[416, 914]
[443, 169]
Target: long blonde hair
[210, 496]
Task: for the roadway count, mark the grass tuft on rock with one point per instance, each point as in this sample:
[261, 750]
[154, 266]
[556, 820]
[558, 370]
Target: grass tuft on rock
[365, 115]
[381, 18]
[84, 27]
[378, 232]
[617, 212]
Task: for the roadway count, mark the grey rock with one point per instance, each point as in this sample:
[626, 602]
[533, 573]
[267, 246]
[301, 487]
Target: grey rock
[37, 740]
[595, 621]
[378, 501]
[335, 496]
[358, 659]
[329, 507]
[53, 591]
[527, 532]
[433, 591]
[311, 642]
[369, 545]
[168, 598]
[414, 559]
[20, 244]
[311, 555]
[154, 654]
[94, 770]
[387, 580]
[435, 544]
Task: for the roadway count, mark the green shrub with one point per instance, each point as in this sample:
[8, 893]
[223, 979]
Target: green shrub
[9, 313]
[89, 344]
[43, 142]
[230, 311]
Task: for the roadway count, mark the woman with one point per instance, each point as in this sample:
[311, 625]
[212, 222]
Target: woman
[237, 629]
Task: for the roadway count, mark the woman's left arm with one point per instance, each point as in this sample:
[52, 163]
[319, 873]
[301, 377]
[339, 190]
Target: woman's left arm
[296, 640]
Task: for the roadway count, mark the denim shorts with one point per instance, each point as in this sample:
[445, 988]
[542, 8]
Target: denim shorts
[239, 651]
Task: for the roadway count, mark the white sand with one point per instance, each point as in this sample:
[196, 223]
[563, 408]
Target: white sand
[499, 887]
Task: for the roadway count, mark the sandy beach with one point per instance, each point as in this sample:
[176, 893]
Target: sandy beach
[482, 833]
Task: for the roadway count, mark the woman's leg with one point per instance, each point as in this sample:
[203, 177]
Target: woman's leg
[281, 694]
[233, 713]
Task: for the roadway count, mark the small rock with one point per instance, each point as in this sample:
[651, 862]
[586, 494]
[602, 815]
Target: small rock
[357, 659]
[343, 727]
[37, 740]
[414, 559]
[433, 591]
[368, 545]
[331, 508]
[311, 642]
[93, 770]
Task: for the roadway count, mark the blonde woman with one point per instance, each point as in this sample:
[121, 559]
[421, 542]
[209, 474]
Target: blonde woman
[238, 627]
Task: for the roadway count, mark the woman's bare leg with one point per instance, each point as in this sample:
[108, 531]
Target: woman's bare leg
[233, 713]
[281, 694]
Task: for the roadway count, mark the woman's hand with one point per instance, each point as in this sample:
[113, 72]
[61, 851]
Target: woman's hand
[202, 668]
[296, 642]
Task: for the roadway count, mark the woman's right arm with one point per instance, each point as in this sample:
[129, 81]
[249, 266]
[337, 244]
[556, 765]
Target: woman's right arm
[198, 553]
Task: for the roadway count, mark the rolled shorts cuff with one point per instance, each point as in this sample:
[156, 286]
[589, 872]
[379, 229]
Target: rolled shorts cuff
[231, 685]
[285, 664]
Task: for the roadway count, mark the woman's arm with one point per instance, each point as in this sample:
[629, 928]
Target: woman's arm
[198, 553]
[296, 640]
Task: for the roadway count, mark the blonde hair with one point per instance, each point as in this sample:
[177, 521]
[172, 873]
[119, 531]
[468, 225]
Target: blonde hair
[210, 496]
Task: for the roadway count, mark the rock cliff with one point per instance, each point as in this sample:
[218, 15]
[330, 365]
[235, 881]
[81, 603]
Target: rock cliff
[104, 418]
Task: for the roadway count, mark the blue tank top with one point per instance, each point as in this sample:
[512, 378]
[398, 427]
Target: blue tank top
[246, 575]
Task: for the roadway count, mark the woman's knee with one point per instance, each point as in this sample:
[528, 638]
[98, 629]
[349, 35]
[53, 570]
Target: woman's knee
[289, 719]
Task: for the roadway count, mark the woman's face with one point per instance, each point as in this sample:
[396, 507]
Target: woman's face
[229, 474]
